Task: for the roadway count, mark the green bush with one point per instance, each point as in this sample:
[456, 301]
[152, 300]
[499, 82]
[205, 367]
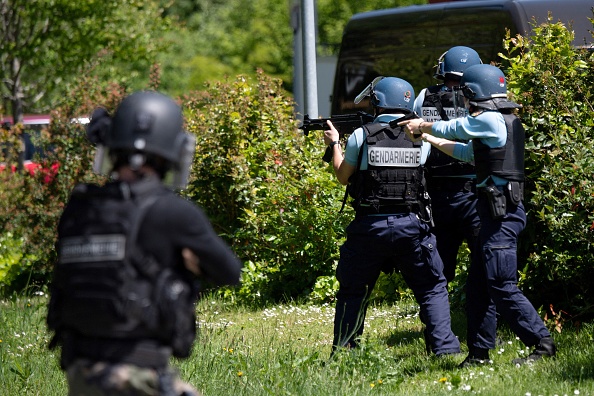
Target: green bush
[13, 262]
[553, 81]
[265, 188]
[32, 204]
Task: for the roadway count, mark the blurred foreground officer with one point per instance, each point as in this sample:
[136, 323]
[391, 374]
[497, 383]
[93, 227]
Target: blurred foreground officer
[497, 147]
[129, 254]
[391, 229]
[451, 182]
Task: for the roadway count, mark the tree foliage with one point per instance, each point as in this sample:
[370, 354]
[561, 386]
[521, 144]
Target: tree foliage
[553, 80]
[226, 38]
[47, 43]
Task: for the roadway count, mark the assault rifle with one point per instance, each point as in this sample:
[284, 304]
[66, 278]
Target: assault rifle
[345, 124]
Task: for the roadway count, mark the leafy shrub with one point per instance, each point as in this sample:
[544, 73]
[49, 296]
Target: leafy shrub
[264, 187]
[553, 81]
[12, 260]
[31, 204]
[324, 289]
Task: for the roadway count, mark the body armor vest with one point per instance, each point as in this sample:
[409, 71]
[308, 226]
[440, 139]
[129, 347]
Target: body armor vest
[110, 289]
[440, 105]
[507, 161]
[394, 175]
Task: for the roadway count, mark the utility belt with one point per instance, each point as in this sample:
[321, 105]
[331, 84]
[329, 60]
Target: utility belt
[142, 353]
[451, 184]
[500, 198]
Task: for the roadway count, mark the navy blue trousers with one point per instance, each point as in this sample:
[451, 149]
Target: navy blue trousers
[493, 286]
[386, 242]
[456, 220]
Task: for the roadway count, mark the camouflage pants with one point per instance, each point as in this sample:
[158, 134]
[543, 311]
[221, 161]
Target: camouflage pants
[86, 378]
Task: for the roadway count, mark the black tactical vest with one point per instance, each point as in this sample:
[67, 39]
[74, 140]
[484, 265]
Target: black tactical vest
[107, 287]
[507, 161]
[439, 105]
[394, 176]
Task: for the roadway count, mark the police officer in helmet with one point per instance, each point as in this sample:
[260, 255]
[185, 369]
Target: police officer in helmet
[129, 255]
[391, 230]
[450, 182]
[496, 146]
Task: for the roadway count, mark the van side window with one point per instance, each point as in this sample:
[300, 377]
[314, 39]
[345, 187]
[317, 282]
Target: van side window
[407, 42]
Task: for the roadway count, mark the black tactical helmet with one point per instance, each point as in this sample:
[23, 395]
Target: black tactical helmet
[148, 124]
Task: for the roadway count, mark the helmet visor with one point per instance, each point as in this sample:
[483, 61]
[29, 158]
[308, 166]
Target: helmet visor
[179, 175]
[368, 89]
[102, 163]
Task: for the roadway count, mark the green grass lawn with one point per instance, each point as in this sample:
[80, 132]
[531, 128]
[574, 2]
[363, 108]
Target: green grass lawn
[284, 350]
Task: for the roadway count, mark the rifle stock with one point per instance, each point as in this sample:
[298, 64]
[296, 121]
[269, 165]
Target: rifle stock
[345, 124]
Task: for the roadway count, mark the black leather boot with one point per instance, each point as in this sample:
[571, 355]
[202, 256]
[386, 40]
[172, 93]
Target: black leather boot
[476, 357]
[546, 347]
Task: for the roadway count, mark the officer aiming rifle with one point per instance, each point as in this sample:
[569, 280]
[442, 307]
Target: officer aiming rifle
[344, 123]
[384, 171]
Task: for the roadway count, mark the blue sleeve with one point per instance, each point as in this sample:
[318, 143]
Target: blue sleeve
[463, 152]
[488, 126]
[351, 151]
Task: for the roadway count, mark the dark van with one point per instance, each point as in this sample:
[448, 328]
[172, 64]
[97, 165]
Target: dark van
[407, 41]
